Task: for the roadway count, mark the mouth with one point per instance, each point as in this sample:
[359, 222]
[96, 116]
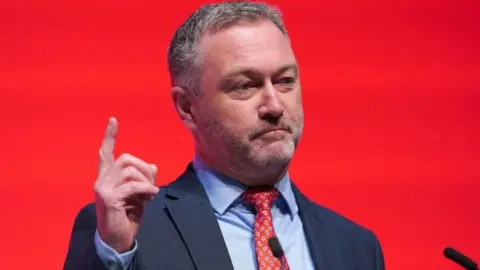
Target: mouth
[276, 132]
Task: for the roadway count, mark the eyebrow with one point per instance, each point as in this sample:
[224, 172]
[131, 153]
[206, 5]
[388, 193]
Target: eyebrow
[253, 72]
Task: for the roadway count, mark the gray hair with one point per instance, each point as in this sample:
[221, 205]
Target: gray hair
[183, 62]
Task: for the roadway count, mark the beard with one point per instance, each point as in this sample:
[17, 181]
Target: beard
[250, 152]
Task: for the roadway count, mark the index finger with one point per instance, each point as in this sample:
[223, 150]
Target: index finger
[108, 144]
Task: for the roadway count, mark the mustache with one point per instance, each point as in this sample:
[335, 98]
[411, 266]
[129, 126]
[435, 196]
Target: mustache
[262, 130]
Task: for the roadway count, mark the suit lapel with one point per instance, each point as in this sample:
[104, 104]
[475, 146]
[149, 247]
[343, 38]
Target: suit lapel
[195, 220]
[322, 241]
[193, 216]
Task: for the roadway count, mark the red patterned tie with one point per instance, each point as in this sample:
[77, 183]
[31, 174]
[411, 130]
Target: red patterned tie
[262, 200]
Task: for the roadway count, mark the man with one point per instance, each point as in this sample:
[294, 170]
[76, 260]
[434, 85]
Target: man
[236, 87]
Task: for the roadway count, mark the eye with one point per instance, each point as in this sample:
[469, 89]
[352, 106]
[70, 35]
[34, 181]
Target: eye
[244, 86]
[286, 80]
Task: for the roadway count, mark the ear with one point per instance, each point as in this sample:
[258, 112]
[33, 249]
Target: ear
[183, 102]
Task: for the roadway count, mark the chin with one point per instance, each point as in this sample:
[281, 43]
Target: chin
[274, 154]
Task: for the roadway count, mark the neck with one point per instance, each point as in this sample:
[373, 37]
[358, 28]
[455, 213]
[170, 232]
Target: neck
[248, 175]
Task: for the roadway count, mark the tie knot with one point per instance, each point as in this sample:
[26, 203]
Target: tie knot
[261, 198]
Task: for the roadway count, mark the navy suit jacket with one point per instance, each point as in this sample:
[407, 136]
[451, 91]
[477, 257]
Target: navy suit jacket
[179, 230]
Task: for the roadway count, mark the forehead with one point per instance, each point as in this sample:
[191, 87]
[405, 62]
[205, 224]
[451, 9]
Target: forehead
[260, 45]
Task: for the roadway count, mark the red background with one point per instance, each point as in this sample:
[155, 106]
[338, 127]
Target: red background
[391, 91]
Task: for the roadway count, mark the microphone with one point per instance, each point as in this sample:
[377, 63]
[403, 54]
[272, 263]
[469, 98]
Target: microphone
[459, 258]
[277, 250]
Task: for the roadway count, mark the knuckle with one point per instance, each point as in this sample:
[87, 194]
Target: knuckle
[128, 172]
[130, 187]
[124, 157]
[98, 188]
[152, 169]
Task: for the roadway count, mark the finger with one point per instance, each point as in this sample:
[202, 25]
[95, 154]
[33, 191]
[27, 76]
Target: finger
[106, 152]
[126, 160]
[154, 173]
[154, 180]
[130, 173]
[134, 188]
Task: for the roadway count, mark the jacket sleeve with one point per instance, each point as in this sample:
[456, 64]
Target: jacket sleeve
[379, 258]
[82, 253]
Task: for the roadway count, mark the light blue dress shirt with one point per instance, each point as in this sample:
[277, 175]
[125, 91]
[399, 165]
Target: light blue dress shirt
[236, 220]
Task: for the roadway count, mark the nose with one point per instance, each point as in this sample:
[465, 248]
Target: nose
[271, 106]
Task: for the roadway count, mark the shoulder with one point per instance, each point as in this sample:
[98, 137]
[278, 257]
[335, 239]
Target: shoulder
[355, 240]
[345, 229]
[331, 219]
[340, 223]
[86, 218]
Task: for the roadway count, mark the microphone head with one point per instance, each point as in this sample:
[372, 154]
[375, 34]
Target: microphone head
[275, 247]
[462, 260]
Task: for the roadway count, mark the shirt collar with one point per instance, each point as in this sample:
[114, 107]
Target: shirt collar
[222, 190]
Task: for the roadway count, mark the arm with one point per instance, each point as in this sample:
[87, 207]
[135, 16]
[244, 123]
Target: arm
[108, 227]
[110, 257]
[87, 251]
[379, 258]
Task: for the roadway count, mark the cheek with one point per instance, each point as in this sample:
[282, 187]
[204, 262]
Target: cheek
[294, 105]
[239, 115]
[233, 111]
[226, 116]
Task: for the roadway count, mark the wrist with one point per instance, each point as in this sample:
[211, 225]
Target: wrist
[120, 246]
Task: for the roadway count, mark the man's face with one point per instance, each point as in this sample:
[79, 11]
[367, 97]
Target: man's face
[250, 111]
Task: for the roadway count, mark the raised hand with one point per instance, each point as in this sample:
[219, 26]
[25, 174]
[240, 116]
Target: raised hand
[122, 189]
